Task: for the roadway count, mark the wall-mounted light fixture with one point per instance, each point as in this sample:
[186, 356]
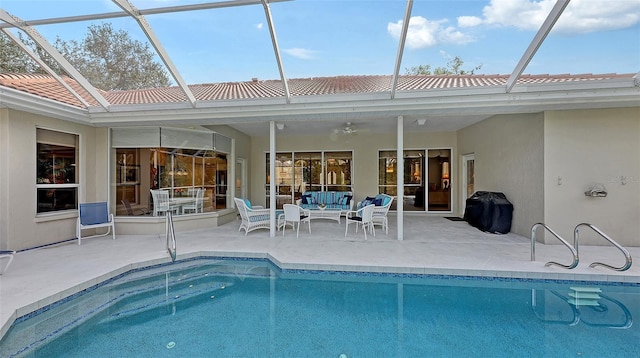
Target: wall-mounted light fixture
[445, 175]
[280, 126]
[421, 121]
[445, 170]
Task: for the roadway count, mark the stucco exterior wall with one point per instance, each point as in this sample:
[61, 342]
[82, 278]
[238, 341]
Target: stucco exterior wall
[586, 147]
[509, 154]
[365, 147]
[22, 228]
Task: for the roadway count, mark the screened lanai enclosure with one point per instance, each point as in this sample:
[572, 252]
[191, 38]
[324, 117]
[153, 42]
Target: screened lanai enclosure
[318, 95]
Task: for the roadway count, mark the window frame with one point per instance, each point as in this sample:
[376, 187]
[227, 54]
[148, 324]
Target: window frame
[289, 176]
[39, 181]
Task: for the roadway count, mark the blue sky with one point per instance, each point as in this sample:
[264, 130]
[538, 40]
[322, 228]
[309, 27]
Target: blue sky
[360, 37]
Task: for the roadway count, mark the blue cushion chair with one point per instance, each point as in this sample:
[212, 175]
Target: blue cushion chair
[94, 216]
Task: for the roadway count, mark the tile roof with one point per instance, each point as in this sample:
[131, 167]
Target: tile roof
[47, 87]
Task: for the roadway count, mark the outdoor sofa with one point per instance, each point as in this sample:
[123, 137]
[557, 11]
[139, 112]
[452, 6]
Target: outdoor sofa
[342, 200]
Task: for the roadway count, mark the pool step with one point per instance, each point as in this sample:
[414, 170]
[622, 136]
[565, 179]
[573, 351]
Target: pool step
[149, 300]
[137, 292]
[584, 296]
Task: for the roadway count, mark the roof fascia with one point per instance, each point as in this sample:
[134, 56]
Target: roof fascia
[26, 102]
[155, 42]
[403, 38]
[538, 39]
[337, 100]
[490, 102]
[49, 49]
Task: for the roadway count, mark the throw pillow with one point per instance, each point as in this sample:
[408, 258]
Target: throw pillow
[365, 202]
[306, 199]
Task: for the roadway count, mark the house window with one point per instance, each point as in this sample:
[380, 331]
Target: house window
[56, 171]
[299, 172]
[182, 162]
[413, 174]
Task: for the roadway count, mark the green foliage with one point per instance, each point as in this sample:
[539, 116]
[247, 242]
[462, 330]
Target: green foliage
[454, 67]
[13, 59]
[110, 59]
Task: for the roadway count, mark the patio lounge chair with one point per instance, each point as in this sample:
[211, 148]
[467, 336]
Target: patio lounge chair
[361, 217]
[253, 217]
[6, 255]
[93, 216]
[293, 214]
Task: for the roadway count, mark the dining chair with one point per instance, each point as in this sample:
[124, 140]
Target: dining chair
[361, 217]
[161, 202]
[293, 214]
[197, 205]
[131, 211]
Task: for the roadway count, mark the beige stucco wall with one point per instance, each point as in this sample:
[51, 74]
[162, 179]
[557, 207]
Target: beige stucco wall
[586, 147]
[21, 227]
[509, 152]
[365, 148]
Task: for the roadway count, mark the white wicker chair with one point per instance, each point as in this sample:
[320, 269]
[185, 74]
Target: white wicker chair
[253, 218]
[293, 214]
[380, 213]
[361, 217]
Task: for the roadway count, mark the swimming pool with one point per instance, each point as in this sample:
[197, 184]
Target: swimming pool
[250, 308]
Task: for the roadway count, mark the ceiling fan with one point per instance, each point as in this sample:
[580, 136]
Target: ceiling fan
[348, 130]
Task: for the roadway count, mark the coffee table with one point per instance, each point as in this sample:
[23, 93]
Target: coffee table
[329, 214]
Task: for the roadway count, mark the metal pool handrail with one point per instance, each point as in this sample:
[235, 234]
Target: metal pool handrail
[573, 250]
[171, 237]
[626, 253]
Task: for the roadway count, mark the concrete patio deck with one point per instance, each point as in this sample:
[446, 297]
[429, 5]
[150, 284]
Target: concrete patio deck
[431, 245]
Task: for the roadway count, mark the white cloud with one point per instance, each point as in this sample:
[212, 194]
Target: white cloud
[259, 26]
[580, 16]
[469, 21]
[300, 53]
[424, 33]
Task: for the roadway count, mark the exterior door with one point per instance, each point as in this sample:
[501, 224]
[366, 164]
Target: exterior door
[468, 179]
[241, 178]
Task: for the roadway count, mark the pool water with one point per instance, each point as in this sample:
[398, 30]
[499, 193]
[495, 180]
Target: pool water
[207, 308]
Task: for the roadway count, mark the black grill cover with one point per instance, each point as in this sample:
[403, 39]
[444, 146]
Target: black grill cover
[489, 211]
